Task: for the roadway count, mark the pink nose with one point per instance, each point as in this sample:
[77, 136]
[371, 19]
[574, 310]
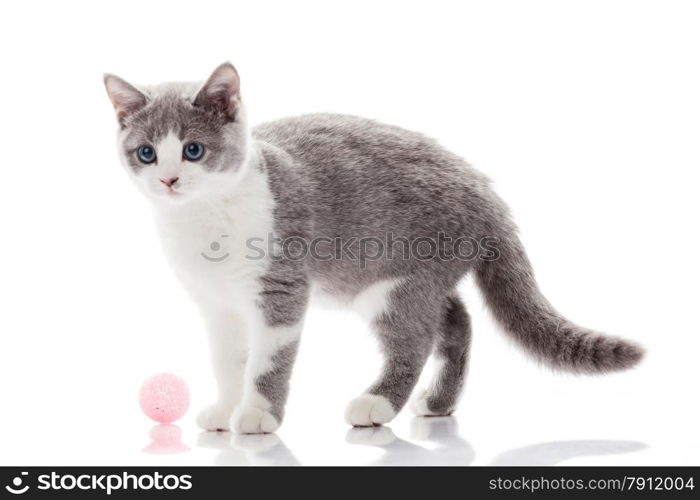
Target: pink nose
[169, 182]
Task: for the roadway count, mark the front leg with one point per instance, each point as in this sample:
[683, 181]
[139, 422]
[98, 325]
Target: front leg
[228, 345]
[273, 344]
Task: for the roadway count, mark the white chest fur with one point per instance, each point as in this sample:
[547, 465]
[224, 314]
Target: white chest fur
[208, 243]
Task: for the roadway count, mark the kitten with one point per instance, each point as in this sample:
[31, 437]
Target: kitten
[252, 219]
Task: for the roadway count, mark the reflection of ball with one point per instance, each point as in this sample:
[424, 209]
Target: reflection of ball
[165, 439]
[165, 433]
[164, 398]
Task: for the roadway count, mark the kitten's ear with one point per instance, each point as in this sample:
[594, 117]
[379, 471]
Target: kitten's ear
[125, 98]
[221, 92]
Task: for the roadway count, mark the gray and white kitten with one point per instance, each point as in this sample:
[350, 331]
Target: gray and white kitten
[331, 185]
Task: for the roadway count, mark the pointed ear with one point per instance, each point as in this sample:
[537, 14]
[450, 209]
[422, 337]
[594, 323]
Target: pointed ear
[221, 92]
[125, 98]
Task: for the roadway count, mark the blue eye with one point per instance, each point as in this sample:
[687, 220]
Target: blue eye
[193, 151]
[146, 154]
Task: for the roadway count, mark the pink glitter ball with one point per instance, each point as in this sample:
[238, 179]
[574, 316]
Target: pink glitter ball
[164, 398]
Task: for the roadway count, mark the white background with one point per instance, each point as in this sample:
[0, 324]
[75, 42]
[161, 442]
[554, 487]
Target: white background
[585, 114]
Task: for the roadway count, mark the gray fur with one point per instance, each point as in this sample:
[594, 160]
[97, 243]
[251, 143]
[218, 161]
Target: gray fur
[285, 285]
[336, 176]
[274, 385]
[362, 178]
[452, 348]
[512, 294]
[407, 332]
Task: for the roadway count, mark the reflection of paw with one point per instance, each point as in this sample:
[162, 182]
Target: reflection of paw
[434, 428]
[214, 440]
[251, 420]
[371, 436]
[214, 418]
[419, 406]
[255, 443]
[368, 410]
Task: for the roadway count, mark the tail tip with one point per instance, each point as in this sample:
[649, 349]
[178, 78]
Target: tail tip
[627, 354]
[609, 354]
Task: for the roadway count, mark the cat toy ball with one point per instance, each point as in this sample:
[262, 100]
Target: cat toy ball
[164, 398]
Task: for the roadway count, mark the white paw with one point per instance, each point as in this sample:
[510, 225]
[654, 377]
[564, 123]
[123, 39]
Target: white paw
[214, 418]
[251, 420]
[369, 410]
[419, 406]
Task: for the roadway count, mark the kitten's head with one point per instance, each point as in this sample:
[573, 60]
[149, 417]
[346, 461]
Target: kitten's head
[182, 141]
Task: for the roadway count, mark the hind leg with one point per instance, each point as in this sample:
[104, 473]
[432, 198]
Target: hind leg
[452, 354]
[406, 328]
